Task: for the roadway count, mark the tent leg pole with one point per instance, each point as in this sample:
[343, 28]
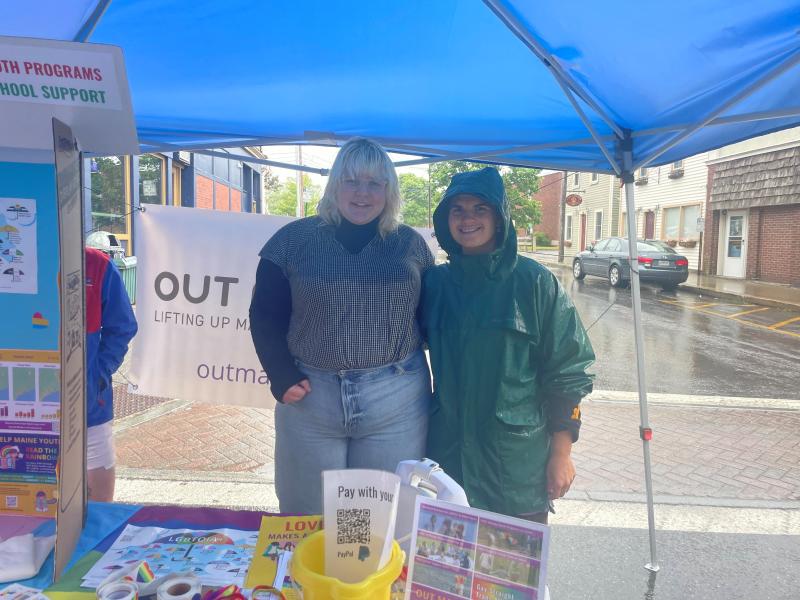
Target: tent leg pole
[644, 428]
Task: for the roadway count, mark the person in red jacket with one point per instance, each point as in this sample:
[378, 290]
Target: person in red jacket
[110, 326]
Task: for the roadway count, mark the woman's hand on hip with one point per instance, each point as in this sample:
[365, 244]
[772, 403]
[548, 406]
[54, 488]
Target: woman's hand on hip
[297, 392]
[560, 468]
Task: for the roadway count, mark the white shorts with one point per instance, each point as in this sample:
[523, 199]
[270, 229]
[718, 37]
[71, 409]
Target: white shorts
[100, 447]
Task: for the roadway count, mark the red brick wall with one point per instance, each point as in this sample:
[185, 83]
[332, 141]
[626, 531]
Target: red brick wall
[221, 196]
[204, 192]
[711, 232]
[549, 196]
[236, 200]
[778, 252]
[753, 241]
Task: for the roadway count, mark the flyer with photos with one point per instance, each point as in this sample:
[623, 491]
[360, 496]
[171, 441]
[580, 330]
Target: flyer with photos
[460, 552]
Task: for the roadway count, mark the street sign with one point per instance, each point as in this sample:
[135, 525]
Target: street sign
[701, 224]
[574, 200]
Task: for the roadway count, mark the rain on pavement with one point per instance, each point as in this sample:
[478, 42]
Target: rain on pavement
[694, 344]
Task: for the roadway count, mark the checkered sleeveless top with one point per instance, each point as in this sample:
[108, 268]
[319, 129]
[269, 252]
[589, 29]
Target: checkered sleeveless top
[350, 311]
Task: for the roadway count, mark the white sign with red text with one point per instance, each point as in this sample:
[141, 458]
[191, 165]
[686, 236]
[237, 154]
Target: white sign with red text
[83, 85]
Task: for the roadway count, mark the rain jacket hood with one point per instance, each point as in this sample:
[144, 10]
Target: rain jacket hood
[509, 357]
[486, 184]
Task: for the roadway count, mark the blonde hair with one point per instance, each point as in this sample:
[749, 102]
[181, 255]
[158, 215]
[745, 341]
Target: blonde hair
[361, 157]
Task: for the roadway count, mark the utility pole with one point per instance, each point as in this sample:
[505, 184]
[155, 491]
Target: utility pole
[429, 194]
[301, 206]
[563, 215]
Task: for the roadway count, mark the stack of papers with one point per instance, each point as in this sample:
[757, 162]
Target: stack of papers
[218, 557]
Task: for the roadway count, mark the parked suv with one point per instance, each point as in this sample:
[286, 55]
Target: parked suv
[609, 258]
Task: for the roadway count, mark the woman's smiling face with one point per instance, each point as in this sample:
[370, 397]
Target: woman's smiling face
[361, 199]
[473, 224]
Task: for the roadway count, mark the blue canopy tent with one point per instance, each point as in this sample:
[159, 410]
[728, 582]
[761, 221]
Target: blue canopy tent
[591, 86]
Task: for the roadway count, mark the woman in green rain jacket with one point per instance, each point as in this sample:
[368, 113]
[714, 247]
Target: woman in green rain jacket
[509, 357]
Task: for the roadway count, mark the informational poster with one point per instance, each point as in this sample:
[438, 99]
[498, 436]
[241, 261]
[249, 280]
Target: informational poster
[218, 557]
[18, 263]
[459, 552]
[30, 408]
[83, 85]
[72, 458]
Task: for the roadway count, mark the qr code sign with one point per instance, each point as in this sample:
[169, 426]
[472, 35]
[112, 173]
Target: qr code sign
[11, 502]
[352, 526]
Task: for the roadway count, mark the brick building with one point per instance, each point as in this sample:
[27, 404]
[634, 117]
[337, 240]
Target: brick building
[549, 196]
[752, 226]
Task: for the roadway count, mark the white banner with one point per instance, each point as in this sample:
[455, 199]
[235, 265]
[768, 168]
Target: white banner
[195, 275]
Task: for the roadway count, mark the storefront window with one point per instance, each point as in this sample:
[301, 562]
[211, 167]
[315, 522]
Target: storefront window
[680, 222]
[108, 195]
[672, 223]
[690, 216]
[151, 178]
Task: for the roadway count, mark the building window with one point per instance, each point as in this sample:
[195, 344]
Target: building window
[236, 173]
[568, 228]
[109, 197]
[598, 225]
[678, 164]
[595, 177]
[204, 163]
[680, 223]
[221, 168]
[151, 179]
[576, 180]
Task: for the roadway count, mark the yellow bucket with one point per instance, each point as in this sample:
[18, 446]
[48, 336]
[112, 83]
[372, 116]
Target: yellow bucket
[308, 568]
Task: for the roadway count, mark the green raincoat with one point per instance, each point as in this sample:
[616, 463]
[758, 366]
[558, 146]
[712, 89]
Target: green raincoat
[509, 357]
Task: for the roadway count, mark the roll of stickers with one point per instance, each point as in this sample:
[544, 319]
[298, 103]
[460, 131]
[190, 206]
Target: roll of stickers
[180, 588]
[118, 590]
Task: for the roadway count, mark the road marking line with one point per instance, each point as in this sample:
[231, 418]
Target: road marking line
[747, 312]
[772, 328]
[694, 306]
[782, 323]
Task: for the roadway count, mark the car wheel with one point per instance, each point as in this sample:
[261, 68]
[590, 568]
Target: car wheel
[615, 277]
[577, 269]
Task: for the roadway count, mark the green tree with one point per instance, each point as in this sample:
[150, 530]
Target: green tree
[282, 199]
[414, 194]
[108, 194]
[521, 184]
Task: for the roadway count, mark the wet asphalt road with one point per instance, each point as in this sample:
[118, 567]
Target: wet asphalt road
[694, 344]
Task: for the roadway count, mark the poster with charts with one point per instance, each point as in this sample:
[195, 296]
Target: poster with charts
[30, 409]
[19, 267]
[459, 552]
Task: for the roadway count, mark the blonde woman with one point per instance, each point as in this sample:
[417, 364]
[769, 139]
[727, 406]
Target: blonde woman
[333, 320]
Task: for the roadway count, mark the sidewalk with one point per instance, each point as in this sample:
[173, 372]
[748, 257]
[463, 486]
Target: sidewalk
[706, 453]
[757, 292]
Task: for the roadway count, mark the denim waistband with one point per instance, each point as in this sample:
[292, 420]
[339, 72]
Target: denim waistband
[411, 363]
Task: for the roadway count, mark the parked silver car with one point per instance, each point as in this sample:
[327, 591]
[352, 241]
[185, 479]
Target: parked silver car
[609, 258]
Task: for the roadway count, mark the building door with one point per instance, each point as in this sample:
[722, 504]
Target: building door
[735, 244]
[649, 225]
[583, 232]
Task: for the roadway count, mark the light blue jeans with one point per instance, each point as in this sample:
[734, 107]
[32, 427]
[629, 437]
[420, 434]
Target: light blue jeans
[358, 419]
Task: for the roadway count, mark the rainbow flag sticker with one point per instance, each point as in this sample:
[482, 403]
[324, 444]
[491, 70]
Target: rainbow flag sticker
[38, 321]
[144, 573]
